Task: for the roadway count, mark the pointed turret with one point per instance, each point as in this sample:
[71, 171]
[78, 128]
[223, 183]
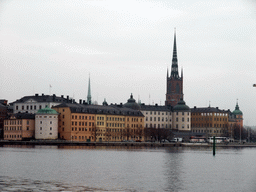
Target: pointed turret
[89, 97]
[174, 71]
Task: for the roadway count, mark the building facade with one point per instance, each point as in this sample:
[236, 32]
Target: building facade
[181, 117]
[81, 122]
[46, 124]
[20, 126]
[157, 116]
[210, 121]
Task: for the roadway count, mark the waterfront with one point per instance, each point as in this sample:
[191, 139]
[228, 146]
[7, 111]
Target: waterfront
[105, 168]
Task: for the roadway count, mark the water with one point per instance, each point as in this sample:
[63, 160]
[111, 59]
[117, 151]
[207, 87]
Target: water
[127, 168]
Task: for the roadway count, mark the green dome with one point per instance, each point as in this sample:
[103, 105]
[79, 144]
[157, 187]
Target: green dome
[181, 106]
[132, 104]
[47, 110]
[237, 111]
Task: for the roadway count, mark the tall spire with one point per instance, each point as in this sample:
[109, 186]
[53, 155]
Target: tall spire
[174, 71]
[89, 97]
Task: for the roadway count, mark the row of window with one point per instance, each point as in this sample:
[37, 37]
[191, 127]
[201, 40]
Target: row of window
[14, 122]
[18, 128]
[81, 123]
[182, 126]
[151, 112]
[158, 126]
[39, 116]
[208, 131]
[12, 136]
[41, 122]
[210, 114]
[82, 137]
[42, 128]
[81, 129]
[182, 119]
[30, 107]
[42, 133]
[159, 119]
[209, 119]
[209, 125]
[83, 117]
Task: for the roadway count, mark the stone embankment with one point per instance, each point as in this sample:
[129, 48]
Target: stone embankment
[139, 144]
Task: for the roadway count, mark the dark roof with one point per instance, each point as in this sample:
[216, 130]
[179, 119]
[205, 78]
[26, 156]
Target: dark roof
[23, 116]
[3, 106]
[154, 107]
[44, 98]
[181, 106]
[208, 110]
[131, 103]
[3, 101]
[100, 109]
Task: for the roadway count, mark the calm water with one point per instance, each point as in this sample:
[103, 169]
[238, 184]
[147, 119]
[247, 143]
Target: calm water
[133, 169]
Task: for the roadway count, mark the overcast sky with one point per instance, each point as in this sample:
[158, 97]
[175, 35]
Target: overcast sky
[126, 47]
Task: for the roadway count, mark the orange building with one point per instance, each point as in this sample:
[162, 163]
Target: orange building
[209, 121]
[19, 126]
[82, 122]
[76, 123]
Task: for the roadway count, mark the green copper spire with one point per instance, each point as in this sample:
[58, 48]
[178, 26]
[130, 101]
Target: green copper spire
[89, 97]
[174, 71]
[237, 110]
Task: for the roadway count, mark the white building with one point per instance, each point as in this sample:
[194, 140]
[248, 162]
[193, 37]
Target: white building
[181, 117]
[157, 116]
[46, 124]
[31, 104]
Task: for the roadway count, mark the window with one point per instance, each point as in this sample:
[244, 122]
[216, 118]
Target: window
[40, 128]
[177, 119]
[27, 128]
[50, 128]
[51, 122]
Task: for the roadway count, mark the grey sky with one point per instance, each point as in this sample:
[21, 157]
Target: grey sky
[126, 46]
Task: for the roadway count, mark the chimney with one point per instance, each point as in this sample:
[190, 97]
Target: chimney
[42, 94]
[36, 94]
[80, 101]
[53, 97]
[62, 96]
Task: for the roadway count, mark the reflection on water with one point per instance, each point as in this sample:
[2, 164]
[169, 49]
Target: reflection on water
[132, 168]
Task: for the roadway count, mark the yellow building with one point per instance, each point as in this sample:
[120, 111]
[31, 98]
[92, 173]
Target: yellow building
[19, 126]
[81, 122]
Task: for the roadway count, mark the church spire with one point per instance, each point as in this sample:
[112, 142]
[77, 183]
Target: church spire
[89, 97]
[174, 71]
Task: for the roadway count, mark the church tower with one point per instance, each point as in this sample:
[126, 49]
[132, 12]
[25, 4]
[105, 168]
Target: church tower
[174, 91]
